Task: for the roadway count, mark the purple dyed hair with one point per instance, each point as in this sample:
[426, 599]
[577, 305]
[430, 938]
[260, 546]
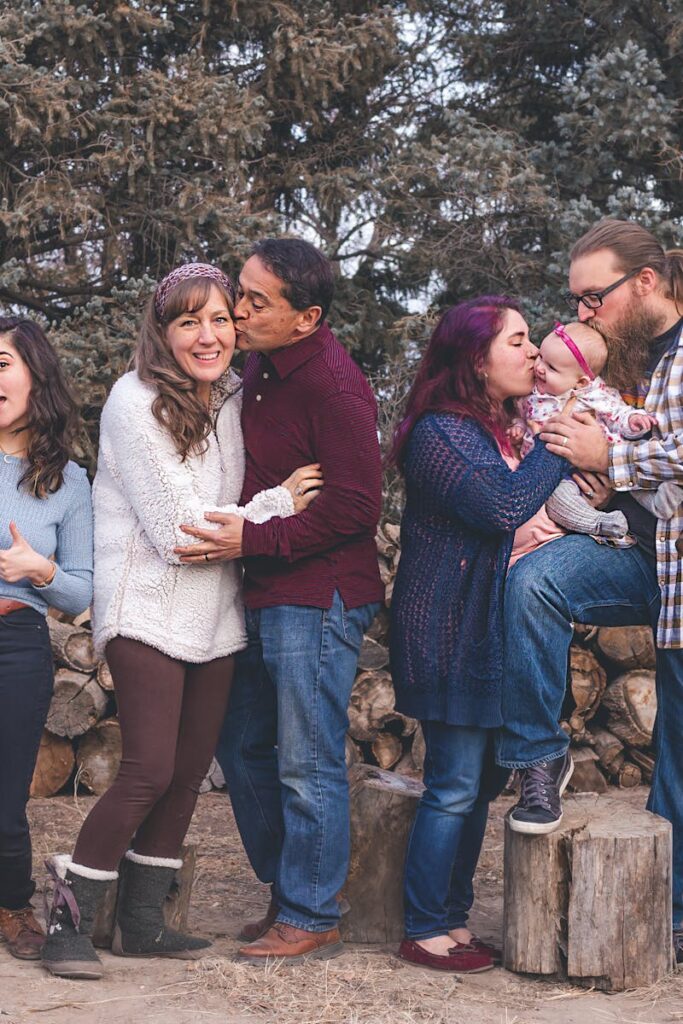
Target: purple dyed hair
[449, 378]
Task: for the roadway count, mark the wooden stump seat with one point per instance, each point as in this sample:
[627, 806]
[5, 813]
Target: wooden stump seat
[383, 805]
[591, 902]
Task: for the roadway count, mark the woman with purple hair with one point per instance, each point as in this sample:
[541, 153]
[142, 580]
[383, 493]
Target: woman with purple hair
[465, 500]
[171, 449]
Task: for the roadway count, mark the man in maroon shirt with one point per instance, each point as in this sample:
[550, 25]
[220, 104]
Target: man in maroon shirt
[311, 588]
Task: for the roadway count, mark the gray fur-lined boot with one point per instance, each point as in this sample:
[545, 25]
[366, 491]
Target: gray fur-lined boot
[140, 926]
[78, 892]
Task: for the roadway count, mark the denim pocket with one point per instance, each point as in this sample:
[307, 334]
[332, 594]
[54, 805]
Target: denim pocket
[24, 619]
[355, 621]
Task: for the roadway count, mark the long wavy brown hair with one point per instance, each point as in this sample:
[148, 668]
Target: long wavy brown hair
[177, 406]
[52, 415]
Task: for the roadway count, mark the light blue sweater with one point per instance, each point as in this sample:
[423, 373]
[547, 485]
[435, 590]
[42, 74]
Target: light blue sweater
[59, 525]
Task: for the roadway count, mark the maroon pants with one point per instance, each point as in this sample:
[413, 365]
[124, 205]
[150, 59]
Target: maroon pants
[170, 714]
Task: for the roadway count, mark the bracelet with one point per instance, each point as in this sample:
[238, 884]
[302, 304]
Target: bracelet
[48, 581]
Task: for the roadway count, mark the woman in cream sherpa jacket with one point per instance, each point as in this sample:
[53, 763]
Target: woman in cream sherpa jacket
[171, 450]
[141, 495]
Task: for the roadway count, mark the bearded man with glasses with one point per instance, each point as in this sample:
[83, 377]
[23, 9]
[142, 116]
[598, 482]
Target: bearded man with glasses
[629, 289]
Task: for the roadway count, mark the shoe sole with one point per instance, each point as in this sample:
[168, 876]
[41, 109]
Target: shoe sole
[73, 969]
[325, 953]
[446, 970]
[178, 954]
[25, 956]
[530, 828]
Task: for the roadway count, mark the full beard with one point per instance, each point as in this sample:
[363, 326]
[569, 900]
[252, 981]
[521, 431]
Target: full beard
[628, 345]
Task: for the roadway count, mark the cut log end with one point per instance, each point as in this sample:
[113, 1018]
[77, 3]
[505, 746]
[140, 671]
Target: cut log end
[591, 902]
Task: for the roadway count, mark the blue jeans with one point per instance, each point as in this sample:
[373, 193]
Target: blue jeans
[449, 827]
[283, 756]
[575, 579]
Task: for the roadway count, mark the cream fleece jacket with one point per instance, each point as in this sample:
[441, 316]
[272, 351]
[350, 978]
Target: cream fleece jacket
[141, 495]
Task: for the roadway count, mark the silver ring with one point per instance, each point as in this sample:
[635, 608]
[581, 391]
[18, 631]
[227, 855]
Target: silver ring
[590, 494]
[298, 491]
[565, 441]
[206, 557]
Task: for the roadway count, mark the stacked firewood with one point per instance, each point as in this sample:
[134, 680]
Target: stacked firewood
[609, 710]
[82, 736]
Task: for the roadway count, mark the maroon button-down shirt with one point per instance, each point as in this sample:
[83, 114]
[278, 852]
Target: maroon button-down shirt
[306, 403]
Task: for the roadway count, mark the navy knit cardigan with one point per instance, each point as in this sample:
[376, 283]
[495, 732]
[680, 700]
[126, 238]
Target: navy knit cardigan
[463, 505]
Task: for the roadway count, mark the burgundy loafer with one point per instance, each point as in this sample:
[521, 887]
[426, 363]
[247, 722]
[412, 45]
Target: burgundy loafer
[460, 958]
[483, 947]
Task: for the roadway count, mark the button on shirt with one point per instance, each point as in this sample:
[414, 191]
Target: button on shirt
[305, 403]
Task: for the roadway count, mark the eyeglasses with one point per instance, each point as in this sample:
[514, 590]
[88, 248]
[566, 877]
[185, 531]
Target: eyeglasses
[593, 300]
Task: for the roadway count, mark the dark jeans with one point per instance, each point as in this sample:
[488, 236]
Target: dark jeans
[25, 692]
[443, 851]
[170, 714]
[576, 580]
[282, 752]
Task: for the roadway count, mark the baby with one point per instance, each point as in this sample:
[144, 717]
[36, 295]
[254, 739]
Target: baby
[568, 366]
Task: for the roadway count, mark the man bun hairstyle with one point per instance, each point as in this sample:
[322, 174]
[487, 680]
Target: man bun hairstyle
[635, 247]
[306, 275]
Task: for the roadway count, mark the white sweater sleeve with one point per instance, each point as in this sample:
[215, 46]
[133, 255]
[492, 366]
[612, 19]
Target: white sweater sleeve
[277, 501]
[161, 489]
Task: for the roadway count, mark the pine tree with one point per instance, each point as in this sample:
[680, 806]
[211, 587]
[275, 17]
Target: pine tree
[434, 151]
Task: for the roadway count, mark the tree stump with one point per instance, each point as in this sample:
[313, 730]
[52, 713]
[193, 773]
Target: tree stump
[386, 750]
[631, 703]
[78, 702]
[104, 676]
[383, 806]
[176, 906]
[591, 902]
[627, 647]
[72, 646]
[54, 765]
[99, 756]
[373, 656]
[587, 777]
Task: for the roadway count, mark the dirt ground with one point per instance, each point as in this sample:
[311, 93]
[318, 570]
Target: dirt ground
[366, 986]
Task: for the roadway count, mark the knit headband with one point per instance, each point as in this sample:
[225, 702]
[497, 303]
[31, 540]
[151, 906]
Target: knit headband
[184, 273]
[559, 330]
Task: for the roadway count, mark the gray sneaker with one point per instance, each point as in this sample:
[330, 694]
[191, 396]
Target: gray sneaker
[539, 809]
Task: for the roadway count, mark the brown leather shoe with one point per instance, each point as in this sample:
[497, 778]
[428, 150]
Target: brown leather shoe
[253, 930]
[295, 945]
[21, 931]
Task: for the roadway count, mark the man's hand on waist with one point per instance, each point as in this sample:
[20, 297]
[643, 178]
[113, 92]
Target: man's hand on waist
[221, 545]
[579, 439]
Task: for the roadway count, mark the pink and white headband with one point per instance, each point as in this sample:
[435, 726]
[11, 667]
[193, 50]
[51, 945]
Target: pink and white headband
[188, 270]
[560, 331]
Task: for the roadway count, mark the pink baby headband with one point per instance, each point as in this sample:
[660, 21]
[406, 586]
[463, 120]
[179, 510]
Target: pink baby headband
[559, 330]
[183, 273]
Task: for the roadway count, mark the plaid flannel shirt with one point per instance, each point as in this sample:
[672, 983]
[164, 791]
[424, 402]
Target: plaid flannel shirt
[647, 463]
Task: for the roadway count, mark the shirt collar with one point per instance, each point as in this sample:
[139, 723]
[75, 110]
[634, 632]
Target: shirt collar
[287, 360]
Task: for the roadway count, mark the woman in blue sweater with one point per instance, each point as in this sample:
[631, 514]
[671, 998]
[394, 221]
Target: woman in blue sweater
[45, 559]
[464, 501]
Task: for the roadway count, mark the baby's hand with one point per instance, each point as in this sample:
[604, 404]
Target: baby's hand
[516, 433]
[640, 423]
